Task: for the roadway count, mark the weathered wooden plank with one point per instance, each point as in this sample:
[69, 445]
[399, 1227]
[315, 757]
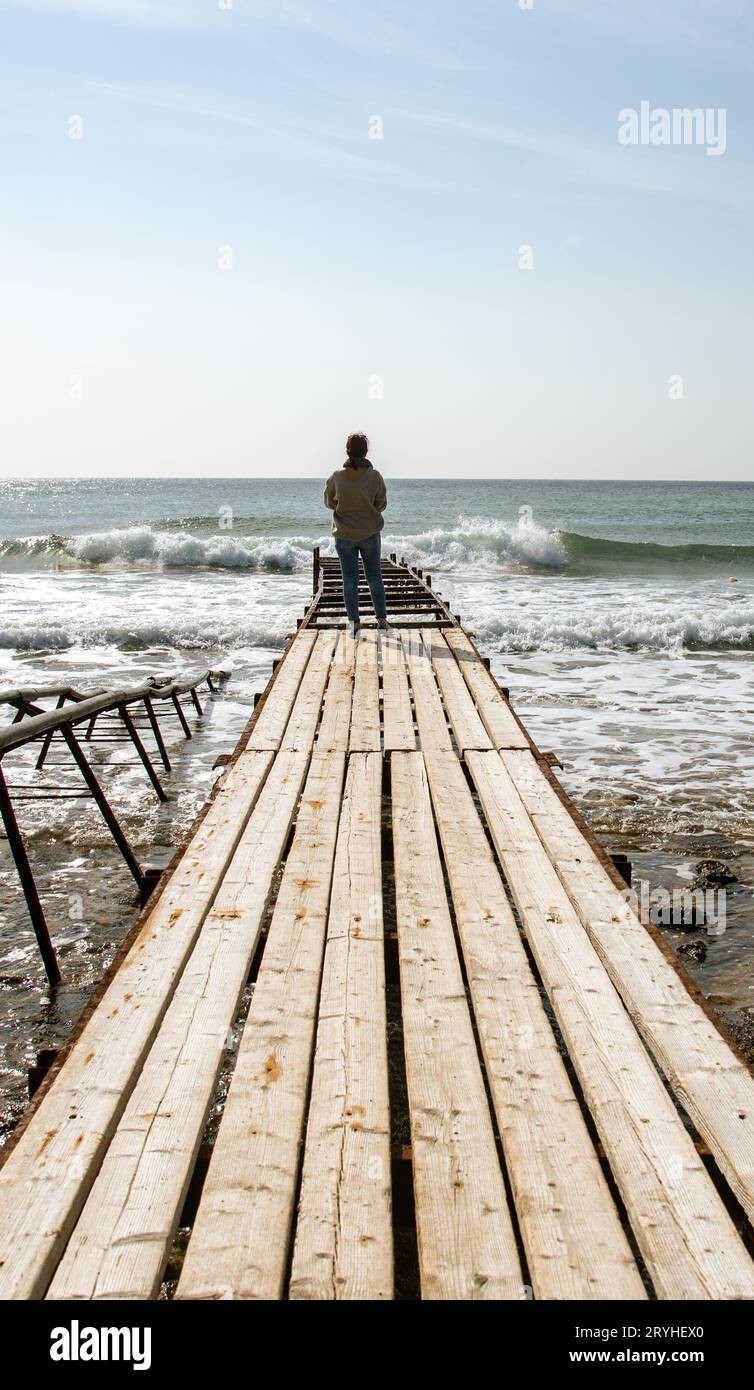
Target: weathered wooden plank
[467, 1248]
[468, 729]
[270, 726]
[430, 716]
[365, 714]
[45, 1180]
[397, 714]
[335, 725]
[123, 1237]
[343, 1244]
[574, 1241]
[712, 1083]
[495, 712]
[239, 1244]
[302, 724]
[688, 1241]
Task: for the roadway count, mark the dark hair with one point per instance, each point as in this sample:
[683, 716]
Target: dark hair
[357, 448]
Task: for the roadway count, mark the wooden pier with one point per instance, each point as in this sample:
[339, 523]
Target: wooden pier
[432, 933]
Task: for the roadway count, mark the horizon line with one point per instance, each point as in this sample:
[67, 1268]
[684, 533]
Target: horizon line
[315, 477]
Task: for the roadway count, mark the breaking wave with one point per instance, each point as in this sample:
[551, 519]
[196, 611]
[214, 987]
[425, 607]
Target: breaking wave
[185, 634]
[142, 546]
[590, 630]
[475, 543]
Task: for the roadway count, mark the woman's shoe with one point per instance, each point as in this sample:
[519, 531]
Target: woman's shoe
[382, 622]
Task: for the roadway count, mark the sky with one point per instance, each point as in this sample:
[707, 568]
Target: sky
[235, 230]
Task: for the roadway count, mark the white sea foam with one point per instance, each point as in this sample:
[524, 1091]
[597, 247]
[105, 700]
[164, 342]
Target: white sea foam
[474, 543]
[35, 637]
[501, 625]
[479, 543]
[142, 545]
[187, 634]
[596, 629]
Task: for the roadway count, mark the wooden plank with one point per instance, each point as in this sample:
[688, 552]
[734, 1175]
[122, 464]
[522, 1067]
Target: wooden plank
[468, 729]
[495, 712]
[270, 727]
[430, 716]
[688, 1241]
[343, 1245]
[398, 596]
[302, 724]
[467, 1248]
[365, 715]
[713, 1085]
[335, 725]
[397, 714]
[405, 624]
[395, 601]
[333, 592]
[239, 1244]
[574, 1241]
[45, 1180]
[123, 1237]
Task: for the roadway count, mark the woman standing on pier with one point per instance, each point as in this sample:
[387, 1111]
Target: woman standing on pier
[357, 498]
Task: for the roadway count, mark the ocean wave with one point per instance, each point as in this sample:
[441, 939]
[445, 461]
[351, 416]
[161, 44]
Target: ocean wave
[599, 631]
[31, 638]
[141, 545]
[29, 547]
[510, 632]
[583, 549]
[478, 542]
[184, 634]
[474, 543]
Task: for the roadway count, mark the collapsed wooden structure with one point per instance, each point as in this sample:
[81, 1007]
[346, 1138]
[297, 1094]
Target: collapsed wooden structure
[426, 921]
[109, 716]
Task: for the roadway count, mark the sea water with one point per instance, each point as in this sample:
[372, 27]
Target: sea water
[621, 616]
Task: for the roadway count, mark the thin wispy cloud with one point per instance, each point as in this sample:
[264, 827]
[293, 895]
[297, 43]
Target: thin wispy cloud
[333, 149]
[606, 164]
[491, 240]
[329, 140]
[677, 25]
[349, 24]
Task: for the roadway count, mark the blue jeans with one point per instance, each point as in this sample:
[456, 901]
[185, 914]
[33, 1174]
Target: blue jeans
[348, 554]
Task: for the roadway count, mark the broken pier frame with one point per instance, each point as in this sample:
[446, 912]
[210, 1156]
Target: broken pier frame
[109, 716]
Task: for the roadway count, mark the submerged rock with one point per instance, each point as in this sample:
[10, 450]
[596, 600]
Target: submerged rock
[697, 950]
[712, 872]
